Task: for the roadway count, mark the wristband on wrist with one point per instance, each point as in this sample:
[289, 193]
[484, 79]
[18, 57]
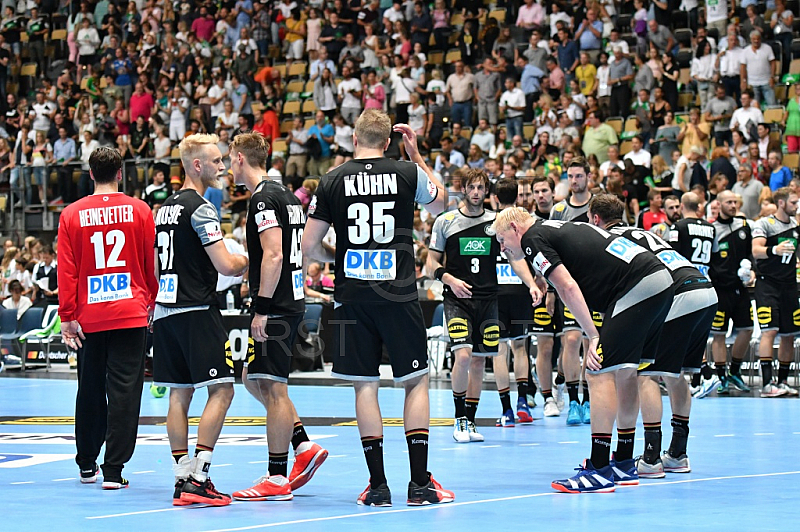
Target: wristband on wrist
[771, 252]
[263, 305]
[439, 273]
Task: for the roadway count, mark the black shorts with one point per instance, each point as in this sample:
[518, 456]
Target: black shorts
[567, 321]
[630, 331]
[515, 315]
[777, 307]
[273, 359]
[684, 339]
[543, 323]
[191, 350]
[472, 323]
[360, 332]
[734, 304]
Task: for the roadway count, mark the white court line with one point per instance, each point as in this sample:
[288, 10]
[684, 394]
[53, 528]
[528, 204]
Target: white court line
[566, 442]
[763, 434]
[159, 510]
[454, 448]
[142, 472]
[489, 446]
[222, 465]
[260, 462]
[724, 435]
[484, 501]
[25, 482]
[339, 455]
[63, 479]
[528, 444]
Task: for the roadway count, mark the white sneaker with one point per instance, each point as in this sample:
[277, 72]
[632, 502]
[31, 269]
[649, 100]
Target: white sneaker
[706, 387]
[788, 390]
[474, 435]
[551, 408]
[771, 390]
[558, 394]
[461, 430]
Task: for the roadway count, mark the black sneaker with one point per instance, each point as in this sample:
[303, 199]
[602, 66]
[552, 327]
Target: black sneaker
[380, 496]
[194, 491]
[430, 493]
[116, 484]
[89, 476]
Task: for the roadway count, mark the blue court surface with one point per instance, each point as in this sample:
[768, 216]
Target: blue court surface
[743, 451]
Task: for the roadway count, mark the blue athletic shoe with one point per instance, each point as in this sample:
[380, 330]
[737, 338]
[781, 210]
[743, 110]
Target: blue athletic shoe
[523, 412]
[625, 472]
[574, 417]
[586, 413]
[506, 420]
[588, 480]
[738, 383]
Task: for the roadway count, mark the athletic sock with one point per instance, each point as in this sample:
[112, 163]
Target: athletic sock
[201, 462]
[585, 393]
[736, 367]
[601, 450]
[547, 394]
[560, 378]
[572, 390]
[278, 464]
[373, 452]
[180, 453]
[458, 399]
[783, 372]
[652, 442]
[417, 441]
[299, 435]
[680, 434]
[522, 390]
[625, 439]
[471, 405]
[695, 380]
[720, 368]
[766, 371]
[505, 399]
[705, 371]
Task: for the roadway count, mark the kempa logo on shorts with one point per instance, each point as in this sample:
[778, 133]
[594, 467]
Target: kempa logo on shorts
[415, 364]
[212, 372]
[475, 246]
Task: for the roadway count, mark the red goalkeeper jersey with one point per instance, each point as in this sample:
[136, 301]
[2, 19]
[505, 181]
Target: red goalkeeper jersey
[106, 275]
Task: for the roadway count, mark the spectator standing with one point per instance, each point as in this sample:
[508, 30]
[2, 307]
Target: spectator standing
[780, 176]
[512, 103]
[719, 111]
[620, 73]
[694, 132]
[141, 103]
[590, 33]
[64, 152]
[747, 117]
[791, 121]
[177, 107]
[759, 70]
[37, 28]
[349, 93]
[749, 190]
[459, 90]
[487, 92]
[298, 154]
[598, 137]
[325, 92]
[325, 133]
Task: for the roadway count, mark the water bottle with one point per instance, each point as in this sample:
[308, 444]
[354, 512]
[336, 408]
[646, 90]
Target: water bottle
[229, 302]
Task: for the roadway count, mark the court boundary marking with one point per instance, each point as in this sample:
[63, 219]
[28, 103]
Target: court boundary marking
[435, 506]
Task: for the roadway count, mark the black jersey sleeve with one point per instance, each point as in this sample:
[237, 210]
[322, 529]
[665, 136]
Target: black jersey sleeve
[538, 251]
[265, 211]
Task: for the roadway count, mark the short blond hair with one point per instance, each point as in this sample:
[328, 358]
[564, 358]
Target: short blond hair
[373, 129]
[504, 218]
[190, 146]
[253, 146]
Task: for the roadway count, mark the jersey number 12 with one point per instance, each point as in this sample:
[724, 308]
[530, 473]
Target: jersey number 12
[114, 238]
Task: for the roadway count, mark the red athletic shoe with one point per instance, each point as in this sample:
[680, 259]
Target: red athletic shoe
[308, 457]
[194, 491]
[430, 493]
[274, 488]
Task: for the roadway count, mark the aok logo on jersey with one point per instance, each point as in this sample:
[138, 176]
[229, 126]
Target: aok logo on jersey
[475, 246]
[109, 287]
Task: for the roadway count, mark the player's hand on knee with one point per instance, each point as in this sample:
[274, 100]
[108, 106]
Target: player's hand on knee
[594, 361]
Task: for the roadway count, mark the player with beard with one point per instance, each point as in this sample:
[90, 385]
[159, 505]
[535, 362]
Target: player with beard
[462, 241]
[190, 342]
[633, 288]
[731, 270]
[514, 311]
[680, 349]
[672, 208]
[572, 209]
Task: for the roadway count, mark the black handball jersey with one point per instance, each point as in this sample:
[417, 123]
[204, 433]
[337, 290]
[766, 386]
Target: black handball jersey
[733, 241]
[272, 205]
[694, 239]
[777, 269]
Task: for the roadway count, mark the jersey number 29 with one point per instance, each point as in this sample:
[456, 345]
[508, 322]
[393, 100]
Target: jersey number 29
[382, 227]
[702, 251]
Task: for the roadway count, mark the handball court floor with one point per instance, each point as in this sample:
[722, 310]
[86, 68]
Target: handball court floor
[743, 451]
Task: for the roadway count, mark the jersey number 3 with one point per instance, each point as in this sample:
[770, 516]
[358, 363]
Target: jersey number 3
[381, 229]
[114, 238]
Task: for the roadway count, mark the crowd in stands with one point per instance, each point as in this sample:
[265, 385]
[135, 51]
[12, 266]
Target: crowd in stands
[659, 95]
